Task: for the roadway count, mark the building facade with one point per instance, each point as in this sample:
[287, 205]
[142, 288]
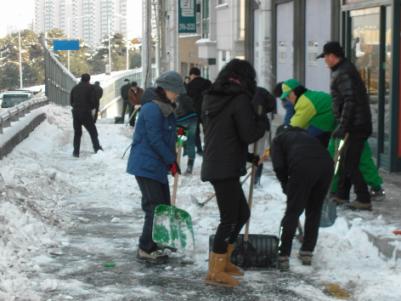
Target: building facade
[289, 34]
[369, 30]
[222, 31]
[89, 20]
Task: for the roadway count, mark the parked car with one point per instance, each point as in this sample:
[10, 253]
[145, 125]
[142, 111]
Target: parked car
[12, 98]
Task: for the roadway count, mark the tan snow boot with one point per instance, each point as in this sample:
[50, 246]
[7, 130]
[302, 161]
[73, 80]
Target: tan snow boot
[231, 268]
[216, 274]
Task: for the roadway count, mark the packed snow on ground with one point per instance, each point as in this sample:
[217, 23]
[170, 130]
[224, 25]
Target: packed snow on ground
[42, 186]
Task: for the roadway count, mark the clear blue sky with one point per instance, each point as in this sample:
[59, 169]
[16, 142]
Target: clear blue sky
[18, 14]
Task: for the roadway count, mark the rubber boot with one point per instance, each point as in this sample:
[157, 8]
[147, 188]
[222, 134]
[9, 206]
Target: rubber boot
[216, 274]
[231, 268]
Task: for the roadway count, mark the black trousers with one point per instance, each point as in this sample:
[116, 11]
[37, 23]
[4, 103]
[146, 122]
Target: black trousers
[306, 189]
[349, 170]
[84, 119]
[198, 142]
[234, 213]
[153, 193]
[126, 104]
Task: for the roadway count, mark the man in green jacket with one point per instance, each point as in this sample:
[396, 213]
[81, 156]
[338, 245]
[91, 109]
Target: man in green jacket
[313, 110]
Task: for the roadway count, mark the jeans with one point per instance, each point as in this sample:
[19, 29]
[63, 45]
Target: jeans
[189, 147]
[153, 193]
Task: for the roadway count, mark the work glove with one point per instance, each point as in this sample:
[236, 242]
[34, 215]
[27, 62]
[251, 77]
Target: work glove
[180, 131]
[254, 159]
[339, 133]
[174, 169]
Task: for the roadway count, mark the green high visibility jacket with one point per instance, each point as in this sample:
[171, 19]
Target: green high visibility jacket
[314, 108]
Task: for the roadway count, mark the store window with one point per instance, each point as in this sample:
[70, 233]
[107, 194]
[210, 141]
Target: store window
[371, 44]
[365, 53]
[387, 78]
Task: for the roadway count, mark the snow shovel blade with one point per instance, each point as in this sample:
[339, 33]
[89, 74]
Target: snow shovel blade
[172, 227]
[260, 251]
[329, 213]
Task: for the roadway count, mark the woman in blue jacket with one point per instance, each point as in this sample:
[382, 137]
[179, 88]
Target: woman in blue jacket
[153, 155]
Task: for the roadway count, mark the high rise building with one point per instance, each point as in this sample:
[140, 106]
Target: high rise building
[89, 20]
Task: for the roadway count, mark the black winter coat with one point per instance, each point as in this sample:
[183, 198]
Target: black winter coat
[295, 148]
[82, 97]
[230, 125]
[350, 100]
[185, 106]
[195, 89]
[124, 91]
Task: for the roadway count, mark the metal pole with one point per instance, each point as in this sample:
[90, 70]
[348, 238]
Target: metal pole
[20, 60]
[127, 42]
[108, 26]
[157, 14]
[249, 30]
[176, 46]
[146, 43]
[68, 36]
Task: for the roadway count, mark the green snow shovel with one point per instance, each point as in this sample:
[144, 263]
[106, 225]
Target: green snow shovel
[329, 209]
[172, 227]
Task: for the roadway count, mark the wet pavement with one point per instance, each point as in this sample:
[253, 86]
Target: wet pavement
[99, 263]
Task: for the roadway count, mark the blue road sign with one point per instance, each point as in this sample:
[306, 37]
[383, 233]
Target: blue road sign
[65, 45]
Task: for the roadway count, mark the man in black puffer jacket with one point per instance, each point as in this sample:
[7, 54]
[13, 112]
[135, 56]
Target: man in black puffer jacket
[83, 101]
[352, 111]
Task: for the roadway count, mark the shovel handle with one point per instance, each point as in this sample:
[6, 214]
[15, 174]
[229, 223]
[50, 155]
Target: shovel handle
[253, 173]
[175, 185]
[214, 194]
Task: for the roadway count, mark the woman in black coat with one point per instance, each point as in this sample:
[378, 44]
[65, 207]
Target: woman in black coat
[231, 124]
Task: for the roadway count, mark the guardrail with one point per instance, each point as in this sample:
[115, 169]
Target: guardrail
[58, 80]
[14, 113]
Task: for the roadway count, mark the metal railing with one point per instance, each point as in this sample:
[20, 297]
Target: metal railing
[16, 112]
[58, 80]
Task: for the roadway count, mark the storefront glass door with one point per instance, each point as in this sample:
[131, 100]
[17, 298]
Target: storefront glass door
[371, 52]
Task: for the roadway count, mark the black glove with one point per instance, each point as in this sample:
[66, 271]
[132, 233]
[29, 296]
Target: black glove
[339, 133]
[254, 159]
[264, 99]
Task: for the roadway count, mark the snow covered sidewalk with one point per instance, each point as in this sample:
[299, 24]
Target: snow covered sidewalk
[69, 228]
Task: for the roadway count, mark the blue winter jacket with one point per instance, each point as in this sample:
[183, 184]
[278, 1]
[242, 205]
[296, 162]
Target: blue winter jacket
[289, 111]
[153, 147]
